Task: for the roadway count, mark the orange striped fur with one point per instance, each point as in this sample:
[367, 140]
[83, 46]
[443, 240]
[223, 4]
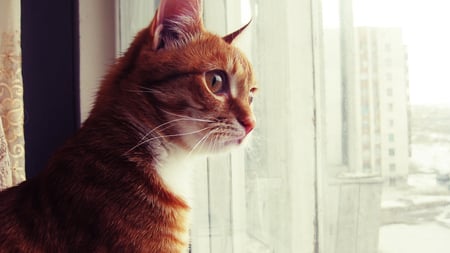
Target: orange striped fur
[121, 183]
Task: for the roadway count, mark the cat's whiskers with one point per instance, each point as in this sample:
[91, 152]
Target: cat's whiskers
[210, 143]
[178, 135]
[216, 143]
[143, 90]
[168, 136]
[188, 117]
[160, 127]
[201, 141]
[213, 142]
[163, 127]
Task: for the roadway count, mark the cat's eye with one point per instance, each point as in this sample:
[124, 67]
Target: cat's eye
[216, 81]
[251, 95]
[250, 98]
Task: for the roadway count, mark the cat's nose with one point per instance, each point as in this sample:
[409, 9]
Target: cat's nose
[248, 123]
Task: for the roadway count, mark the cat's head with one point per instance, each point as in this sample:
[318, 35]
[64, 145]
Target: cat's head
[199, 84]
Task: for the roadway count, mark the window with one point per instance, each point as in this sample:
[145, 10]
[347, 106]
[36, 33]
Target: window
[392, 167]
[398, 49]
[392, 181]
[388, 62]
[389, 77]
[389, 92]
[391, 107]
[387, 47]
[391, 152]
[391, 123]
[391, 137]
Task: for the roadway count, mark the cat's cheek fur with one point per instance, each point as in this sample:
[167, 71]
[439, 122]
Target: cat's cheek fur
[191, 136]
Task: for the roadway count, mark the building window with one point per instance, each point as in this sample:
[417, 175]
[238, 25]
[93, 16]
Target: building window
[388, 62]
[391, 137]
[378, 162]
[391, 123]
[391, 152]
[391, 107]
[392, 167]
[392, 181]
[389, 76]
[387, 48]
[389, 92]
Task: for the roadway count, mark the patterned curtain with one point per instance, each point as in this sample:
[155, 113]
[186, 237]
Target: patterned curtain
[12, 152]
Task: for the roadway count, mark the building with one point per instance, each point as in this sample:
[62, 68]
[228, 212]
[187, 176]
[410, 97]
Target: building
[372, 85]
[382, 77]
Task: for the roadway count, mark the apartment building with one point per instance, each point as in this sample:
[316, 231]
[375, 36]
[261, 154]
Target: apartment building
[368, 91]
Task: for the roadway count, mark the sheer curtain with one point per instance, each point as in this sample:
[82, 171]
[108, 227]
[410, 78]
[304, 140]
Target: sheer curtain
[12, 152]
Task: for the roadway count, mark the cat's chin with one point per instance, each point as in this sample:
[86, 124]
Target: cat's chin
[216, 148]
[226, 146]
[235, 143]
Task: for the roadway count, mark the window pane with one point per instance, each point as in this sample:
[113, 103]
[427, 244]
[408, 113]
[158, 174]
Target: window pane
[280, 164]
[387, 109]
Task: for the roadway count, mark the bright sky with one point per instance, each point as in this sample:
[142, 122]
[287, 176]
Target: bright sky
[426, 28]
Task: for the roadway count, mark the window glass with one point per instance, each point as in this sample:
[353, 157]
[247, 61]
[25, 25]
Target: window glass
[384, 75]
[262, 198]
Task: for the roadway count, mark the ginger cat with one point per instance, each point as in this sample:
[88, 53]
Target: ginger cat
[120, 183]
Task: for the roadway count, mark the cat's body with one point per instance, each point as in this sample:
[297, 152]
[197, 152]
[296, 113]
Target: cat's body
[121, 184]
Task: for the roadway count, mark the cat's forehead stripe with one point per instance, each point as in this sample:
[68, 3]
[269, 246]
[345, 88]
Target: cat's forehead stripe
[237, 75]
[233, 87]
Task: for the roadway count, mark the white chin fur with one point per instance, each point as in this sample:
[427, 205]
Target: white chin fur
[176, 171]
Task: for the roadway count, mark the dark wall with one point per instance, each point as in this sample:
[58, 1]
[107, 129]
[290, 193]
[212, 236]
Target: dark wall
[50, 72]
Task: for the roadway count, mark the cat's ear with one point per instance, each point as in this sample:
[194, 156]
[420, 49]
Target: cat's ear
[175, 22]
[230, 37]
